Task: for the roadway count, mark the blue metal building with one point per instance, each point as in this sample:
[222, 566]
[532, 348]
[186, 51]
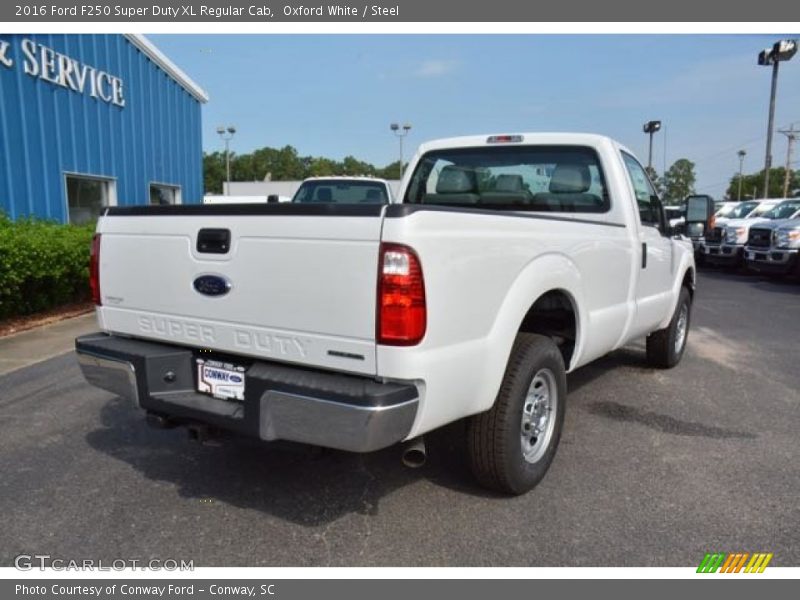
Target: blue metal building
[88, 121]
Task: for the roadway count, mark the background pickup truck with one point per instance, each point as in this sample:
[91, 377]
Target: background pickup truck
[773, 247]
[510, 260]
[343, 190]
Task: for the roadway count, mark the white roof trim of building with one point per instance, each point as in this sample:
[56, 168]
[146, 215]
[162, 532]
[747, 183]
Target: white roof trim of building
[169, 67]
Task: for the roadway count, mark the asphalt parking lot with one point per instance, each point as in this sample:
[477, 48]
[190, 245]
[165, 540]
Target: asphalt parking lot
[655, 468]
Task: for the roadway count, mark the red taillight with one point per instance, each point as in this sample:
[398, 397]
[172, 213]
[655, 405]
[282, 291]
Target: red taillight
[402, 315]
[94, 269]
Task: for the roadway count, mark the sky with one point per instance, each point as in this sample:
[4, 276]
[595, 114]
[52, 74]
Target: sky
[335, 95]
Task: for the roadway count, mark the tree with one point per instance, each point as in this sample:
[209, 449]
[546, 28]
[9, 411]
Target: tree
[753, 184]
[390, 171]
[321, 167]
[213, 172]
[658, 182]
[679, 181]
[284, 164]
[353, 166]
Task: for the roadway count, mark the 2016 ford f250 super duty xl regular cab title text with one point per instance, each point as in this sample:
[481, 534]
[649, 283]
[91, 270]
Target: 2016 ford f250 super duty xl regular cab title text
[508, 261]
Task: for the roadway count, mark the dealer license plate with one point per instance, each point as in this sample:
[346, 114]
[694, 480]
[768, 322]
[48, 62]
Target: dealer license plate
[220, 379]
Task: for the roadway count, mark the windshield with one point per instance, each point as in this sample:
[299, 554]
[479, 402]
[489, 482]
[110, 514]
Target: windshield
[326, 191]
[737, 211]
[533, 178]
[784, 210]
[761, 210]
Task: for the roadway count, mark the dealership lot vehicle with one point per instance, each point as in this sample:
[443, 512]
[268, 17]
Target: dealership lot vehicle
[512, 260]
[735, 210]
[343, 190]
[711, 245]
[772, 247]
[736, 231]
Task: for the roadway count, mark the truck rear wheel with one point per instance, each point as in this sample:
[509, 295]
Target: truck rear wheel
[665, 347]
[512, 445]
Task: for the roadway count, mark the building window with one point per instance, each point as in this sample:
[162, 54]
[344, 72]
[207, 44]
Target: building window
[87, 196]
[164, 194]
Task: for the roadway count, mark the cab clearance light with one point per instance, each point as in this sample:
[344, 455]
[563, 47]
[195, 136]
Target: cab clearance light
[503, 139]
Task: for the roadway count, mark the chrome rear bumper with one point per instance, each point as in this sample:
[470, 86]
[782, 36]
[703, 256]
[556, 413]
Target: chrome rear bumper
[281, 402]
[117, 377]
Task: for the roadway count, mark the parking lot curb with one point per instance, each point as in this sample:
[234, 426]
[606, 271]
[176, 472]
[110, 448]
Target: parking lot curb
[35, 345]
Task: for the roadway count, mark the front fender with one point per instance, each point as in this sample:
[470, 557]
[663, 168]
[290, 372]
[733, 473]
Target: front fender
[685, 262]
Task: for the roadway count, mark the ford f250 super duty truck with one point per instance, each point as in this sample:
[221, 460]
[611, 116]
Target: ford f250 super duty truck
[773, 247]
[506, 262]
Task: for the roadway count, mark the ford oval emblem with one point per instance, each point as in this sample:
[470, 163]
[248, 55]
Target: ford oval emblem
[212, 285]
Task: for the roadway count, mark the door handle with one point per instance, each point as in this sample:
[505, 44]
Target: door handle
[644, 255]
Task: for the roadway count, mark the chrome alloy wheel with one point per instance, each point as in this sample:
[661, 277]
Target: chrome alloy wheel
[681, 327]
[539, 415]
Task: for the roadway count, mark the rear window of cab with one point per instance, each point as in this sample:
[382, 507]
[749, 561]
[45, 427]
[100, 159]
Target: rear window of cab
[332, 191]
[521, 178]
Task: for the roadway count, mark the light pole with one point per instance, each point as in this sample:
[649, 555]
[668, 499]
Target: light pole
[741, 154]
[781, 51]
[400, 132]
[651, 127]
[227, 133]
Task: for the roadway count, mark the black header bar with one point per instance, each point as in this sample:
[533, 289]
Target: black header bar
[398, 11]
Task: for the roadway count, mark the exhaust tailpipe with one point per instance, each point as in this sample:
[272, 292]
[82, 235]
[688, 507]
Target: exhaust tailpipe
[414, 454]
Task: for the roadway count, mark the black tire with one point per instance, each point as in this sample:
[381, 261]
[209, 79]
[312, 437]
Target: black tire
[494, 438]
[662, 350]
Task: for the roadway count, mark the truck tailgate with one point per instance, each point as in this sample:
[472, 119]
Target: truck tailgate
[302, 281]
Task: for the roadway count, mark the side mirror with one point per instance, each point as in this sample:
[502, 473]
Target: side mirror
[273, 198]
[699, 211]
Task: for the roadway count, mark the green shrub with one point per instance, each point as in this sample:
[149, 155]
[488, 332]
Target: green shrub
[42, 265]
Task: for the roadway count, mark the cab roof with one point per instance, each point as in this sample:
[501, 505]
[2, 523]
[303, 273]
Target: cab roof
[519, 139]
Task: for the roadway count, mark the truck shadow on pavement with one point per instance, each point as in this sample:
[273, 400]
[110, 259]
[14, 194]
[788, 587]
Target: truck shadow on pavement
[305, 486]
[312, 487]
[663, 423]
[633, 359]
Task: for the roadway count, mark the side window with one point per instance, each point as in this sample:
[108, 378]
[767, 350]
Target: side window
[646, 196]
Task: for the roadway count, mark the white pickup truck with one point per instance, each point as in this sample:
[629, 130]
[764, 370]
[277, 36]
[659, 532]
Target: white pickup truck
[507, 261]
[343, 190]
